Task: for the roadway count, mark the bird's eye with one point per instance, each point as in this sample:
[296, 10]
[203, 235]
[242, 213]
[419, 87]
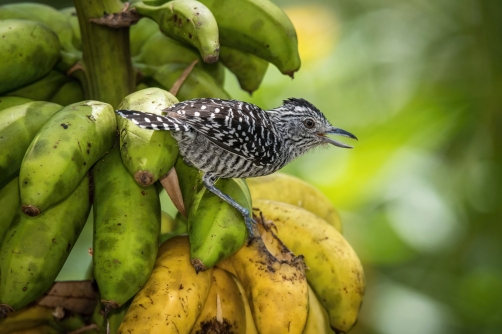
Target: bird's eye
[309, 123]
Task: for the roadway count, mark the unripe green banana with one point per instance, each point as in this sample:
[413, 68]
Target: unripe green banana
[147, 154]
[63, 151]
[43, 89]
[11, 101]
[198, 83]
[126, 230]
[190, 181]
[171, 227]
[35, 248]
[258, 27]
[249, 69]
[71, 17]
[41, 13]
[160, 50]
[9, 204]
[140, 33]
[70, 92]
[36, 48]
[188, 21]
[216, 229]
[18, 127]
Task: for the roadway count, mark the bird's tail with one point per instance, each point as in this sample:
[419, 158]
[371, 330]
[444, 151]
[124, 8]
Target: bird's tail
[151, 121]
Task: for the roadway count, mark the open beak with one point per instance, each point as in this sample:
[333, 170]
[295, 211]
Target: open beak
[340, 132]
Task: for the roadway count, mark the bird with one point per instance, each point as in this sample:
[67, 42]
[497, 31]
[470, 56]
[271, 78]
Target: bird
[236, 139]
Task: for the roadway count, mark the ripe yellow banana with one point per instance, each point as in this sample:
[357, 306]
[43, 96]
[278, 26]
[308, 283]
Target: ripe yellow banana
[35, 248]
[173, 296]
[62, 152]
[258, 27]
[215, 228]
[335, 272]
[18, 126]
[289, 189]
[26, 318]
[188, 21]
[126, 230]
[249, 69]
[160, 50]
[12, 101]
[198, 84]
[275, 286]
[147, 154]
[38, 45]
[10, 204]
[318, 319]
[224, 310]
[250, 326]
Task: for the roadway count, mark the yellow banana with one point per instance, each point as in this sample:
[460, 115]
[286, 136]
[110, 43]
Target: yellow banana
[38, 45]
[249, 69]
[289, 189]
[173, 297]
[318, 319]
[275, 286]
[188, 21]
[147, 154]
[224, 310]
[335, 272]
[258, 27]
[26, 318]
[250, 326]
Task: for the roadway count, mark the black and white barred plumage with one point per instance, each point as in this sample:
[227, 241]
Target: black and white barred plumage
[233, 139]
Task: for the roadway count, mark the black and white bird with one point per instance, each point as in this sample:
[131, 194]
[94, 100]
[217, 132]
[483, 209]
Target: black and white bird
[235, 139]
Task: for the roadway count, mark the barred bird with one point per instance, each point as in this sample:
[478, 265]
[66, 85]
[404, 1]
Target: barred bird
[235, 139]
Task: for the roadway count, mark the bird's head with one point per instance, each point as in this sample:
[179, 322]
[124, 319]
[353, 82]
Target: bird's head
[305, 126]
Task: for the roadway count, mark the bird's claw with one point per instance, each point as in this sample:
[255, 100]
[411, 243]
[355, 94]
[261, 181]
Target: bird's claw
[250, 225]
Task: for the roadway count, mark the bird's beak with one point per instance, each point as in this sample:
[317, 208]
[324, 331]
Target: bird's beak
[340, 132]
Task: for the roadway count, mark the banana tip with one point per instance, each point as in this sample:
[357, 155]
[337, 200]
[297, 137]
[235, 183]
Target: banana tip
[30, 210]
[211, 59]
[144, 178]
[198, 265]
[5, 310]
[109, 305]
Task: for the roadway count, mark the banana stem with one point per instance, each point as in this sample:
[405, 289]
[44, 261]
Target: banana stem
[106, 54]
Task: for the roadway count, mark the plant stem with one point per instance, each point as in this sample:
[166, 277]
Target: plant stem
[106, 54]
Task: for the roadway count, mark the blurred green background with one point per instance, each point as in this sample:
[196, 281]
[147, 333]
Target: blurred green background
[419, 83]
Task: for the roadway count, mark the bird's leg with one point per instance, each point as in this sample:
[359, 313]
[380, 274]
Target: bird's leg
[209, 181]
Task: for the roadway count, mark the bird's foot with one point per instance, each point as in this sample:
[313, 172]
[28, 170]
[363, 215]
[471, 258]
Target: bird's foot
[250, 225]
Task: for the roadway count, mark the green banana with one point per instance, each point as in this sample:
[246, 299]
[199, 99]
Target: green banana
[71, 17]
[258, 27]
[35, 249]
[249, 69]
[190, 181]
[70, 92]
[160, 50]
[67, 60]
[18, 127]
[172, 227]
[11, 101]
[29, 50]
[10, 203]
[140, 33]
[147, 154]
[126, 230]
[187, 21]
[217, 230]
[198, 83]
[63, 151]
[45, 14]
[43, 89]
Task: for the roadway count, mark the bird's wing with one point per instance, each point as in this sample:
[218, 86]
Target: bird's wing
[151, 121]
[238, 127]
